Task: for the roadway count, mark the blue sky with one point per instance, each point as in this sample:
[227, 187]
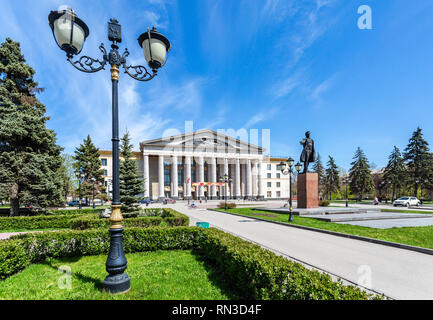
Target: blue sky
[283, 65]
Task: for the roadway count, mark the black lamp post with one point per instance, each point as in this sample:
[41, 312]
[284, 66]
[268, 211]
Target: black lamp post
[346, 181]
[286, 169]
[226, 180]
[80, 176]
[70, 32]
[93, 180]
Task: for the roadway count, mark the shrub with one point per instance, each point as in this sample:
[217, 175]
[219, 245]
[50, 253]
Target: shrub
[38, 222]
[230, 205]
[323, 203]
[251, 271]
[257, 273]
[170, 218]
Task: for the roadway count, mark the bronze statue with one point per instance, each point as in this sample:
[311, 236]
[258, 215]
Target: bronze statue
[308, 153]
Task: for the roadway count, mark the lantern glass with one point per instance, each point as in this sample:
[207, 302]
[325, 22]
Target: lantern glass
[290, 162]
[283, 166]
[298, 167]
[69, 31]
[155, 51]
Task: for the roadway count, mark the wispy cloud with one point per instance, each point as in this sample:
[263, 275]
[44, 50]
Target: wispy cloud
[261, 116]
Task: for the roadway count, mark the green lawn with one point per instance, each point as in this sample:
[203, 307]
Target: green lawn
[415, 236]
[159, 275]
[407, 211]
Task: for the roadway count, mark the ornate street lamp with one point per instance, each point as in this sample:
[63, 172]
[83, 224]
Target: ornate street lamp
[286, 169]
[80, 176]
[93, 180]
[346, 181]
[70, 33]
[226, 180]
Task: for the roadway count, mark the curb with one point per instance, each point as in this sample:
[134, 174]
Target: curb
[339, 234]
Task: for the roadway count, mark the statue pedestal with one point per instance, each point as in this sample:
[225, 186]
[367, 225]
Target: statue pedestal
[308, 190]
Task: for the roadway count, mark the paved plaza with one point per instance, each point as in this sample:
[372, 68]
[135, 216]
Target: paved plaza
[396, 272]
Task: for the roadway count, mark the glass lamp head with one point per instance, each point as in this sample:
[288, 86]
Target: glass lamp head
[155, 48]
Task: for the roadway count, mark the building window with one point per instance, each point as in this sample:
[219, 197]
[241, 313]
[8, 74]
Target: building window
[105, 173]
[278, 167]
[269, 167]
[269, 184]
[278, 194]
[269, 194]
[180, 175]
[103, 162]
[167, 177]
[278, 175]
[269, 175]
[278, 184]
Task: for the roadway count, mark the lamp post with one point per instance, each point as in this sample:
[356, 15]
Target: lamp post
[226, 180]
[286, 169]
[346, 181]
[93, 180]
[70, 32]
[80, 176]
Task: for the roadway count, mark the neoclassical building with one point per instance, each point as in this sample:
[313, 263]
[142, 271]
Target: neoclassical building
[188, 166]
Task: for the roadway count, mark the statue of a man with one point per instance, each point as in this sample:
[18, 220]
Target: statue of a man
[308, 153]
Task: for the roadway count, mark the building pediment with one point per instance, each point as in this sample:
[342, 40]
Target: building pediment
[202, 140]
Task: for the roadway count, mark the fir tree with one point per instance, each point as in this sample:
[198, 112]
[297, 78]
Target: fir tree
[130, 183]
[360, 175]
[29, 156]
[318, 168]
[395, 171]
[87, 157]
[418, 160]
[332, 177]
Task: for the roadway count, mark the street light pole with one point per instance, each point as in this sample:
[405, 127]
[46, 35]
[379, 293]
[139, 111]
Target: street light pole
[70, 32]
[286, 169]
[226, 181]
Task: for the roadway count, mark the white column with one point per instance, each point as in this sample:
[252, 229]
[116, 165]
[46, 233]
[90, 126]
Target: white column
[254, 178]
[201, 176]
[174, 178]
[161, 176]
[213, 175]
[249, 179]
[260, 181]
[146, 175]
[244, 179]
[226, 172]
[188, 177]
[237, 181]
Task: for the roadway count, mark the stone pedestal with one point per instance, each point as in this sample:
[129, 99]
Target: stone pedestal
[308, 190]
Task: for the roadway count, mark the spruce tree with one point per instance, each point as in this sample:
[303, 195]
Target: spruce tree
[29, 156]
[332, 177]
[360, 175]
[418, 160]
[87, 158]
[318, 168]
[130, 183]
[395, 171]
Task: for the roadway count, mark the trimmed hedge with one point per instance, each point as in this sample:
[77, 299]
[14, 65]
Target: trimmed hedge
[38, 222]
[27, 212]
[151, 218]
[170, 218]
[251, 271]
[259, 274]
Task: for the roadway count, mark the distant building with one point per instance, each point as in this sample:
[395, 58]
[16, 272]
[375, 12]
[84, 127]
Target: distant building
[201, 157]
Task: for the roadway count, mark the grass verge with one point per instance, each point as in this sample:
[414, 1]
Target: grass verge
[156, 275]
[414, 236]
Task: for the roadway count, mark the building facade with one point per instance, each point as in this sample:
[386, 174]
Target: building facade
[189, 166]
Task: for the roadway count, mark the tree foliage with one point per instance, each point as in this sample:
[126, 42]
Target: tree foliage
[332, 180]
[29, 156]
[419, 161]
[320, 170]
[360, 175]
[130, 183]
[395, 171]
[87, 157]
